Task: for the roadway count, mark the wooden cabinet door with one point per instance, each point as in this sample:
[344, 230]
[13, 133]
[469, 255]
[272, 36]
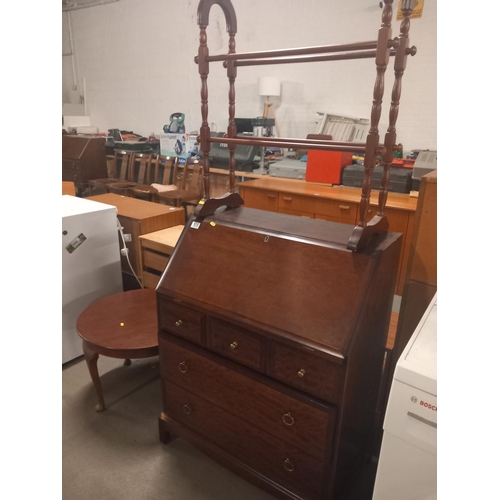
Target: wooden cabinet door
[260, 199]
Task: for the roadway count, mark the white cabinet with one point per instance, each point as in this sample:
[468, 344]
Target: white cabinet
[407, 468]
[91, 266]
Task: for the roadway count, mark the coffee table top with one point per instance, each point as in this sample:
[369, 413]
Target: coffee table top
[123, 325]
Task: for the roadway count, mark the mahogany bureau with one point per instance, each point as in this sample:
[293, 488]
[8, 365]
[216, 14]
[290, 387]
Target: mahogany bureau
[83, 159]
[271, 340]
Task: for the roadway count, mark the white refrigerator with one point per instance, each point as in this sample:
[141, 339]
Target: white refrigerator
[91, 266]
[407, 467]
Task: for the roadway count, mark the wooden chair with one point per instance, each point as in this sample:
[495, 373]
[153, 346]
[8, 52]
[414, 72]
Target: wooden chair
[158, 178]
[188, 179]
[118, 171]
[137, 174]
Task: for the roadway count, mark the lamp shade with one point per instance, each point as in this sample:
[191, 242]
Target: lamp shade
[269, 86]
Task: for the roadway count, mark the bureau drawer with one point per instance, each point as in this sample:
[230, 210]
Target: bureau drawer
[305, 371]
[236, 343]
[297, 422]
[258, 450]
[181, 321]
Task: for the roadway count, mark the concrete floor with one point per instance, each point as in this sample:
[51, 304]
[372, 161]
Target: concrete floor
[116, 454]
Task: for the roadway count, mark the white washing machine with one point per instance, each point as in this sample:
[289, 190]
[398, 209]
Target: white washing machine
[91, 266]
[407, 467]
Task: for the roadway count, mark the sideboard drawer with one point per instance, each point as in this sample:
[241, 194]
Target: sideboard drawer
[305, 371]
[236, 343]
[297, 203]
[260, 451]
[297, 422]
[154, 260]
[181, 321]
[336, 211]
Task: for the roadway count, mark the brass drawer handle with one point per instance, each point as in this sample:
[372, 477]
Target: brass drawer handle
[344, 207]
[187, 409]
[183, 367]
[272, 196]
[301, 372]
[234, 345]
[287, 198]
[178, 323]
[287, 464]
[288, 419]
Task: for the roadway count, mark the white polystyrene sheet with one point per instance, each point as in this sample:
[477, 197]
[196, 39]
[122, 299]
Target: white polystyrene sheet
[76, 121]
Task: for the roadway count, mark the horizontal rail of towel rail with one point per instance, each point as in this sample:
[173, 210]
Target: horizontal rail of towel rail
[346, 146]
[302, 59]
[299, 51]
[306, 141]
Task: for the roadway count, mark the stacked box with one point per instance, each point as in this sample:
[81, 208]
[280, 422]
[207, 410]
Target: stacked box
[399, 178]
[289, 168]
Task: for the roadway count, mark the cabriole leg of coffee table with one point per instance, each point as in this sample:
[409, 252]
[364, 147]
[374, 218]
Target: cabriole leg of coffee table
[91, 358]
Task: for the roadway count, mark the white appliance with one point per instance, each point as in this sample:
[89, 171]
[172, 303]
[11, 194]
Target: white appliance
[407, 467]
[91, 266]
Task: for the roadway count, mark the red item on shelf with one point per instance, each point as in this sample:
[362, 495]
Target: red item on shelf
[402, 162]
[326, 166]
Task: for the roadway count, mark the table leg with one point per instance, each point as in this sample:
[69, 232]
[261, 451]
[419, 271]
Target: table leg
[91, 358]
[127, 362]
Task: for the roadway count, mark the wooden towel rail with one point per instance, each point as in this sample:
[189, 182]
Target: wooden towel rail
[381, 50]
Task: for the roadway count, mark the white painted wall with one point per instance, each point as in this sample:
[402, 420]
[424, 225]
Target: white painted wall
[136, 57]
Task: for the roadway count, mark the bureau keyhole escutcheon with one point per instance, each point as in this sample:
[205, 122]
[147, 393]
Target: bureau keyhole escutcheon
[288, 465]
[183, 367]
[233, 345]
[301, 373]
[178, 323]
[288, 419]
[187, 409]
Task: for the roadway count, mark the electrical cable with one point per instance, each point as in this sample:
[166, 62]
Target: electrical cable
[125, 251]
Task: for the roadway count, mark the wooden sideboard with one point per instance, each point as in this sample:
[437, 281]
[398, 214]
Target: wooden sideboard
[139, 217]
[332, 203]
[156, 250]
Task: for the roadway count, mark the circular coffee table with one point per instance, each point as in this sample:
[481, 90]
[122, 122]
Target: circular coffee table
[123, 325]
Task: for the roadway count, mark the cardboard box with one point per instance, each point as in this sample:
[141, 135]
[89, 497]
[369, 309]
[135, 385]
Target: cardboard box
[181, 145]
